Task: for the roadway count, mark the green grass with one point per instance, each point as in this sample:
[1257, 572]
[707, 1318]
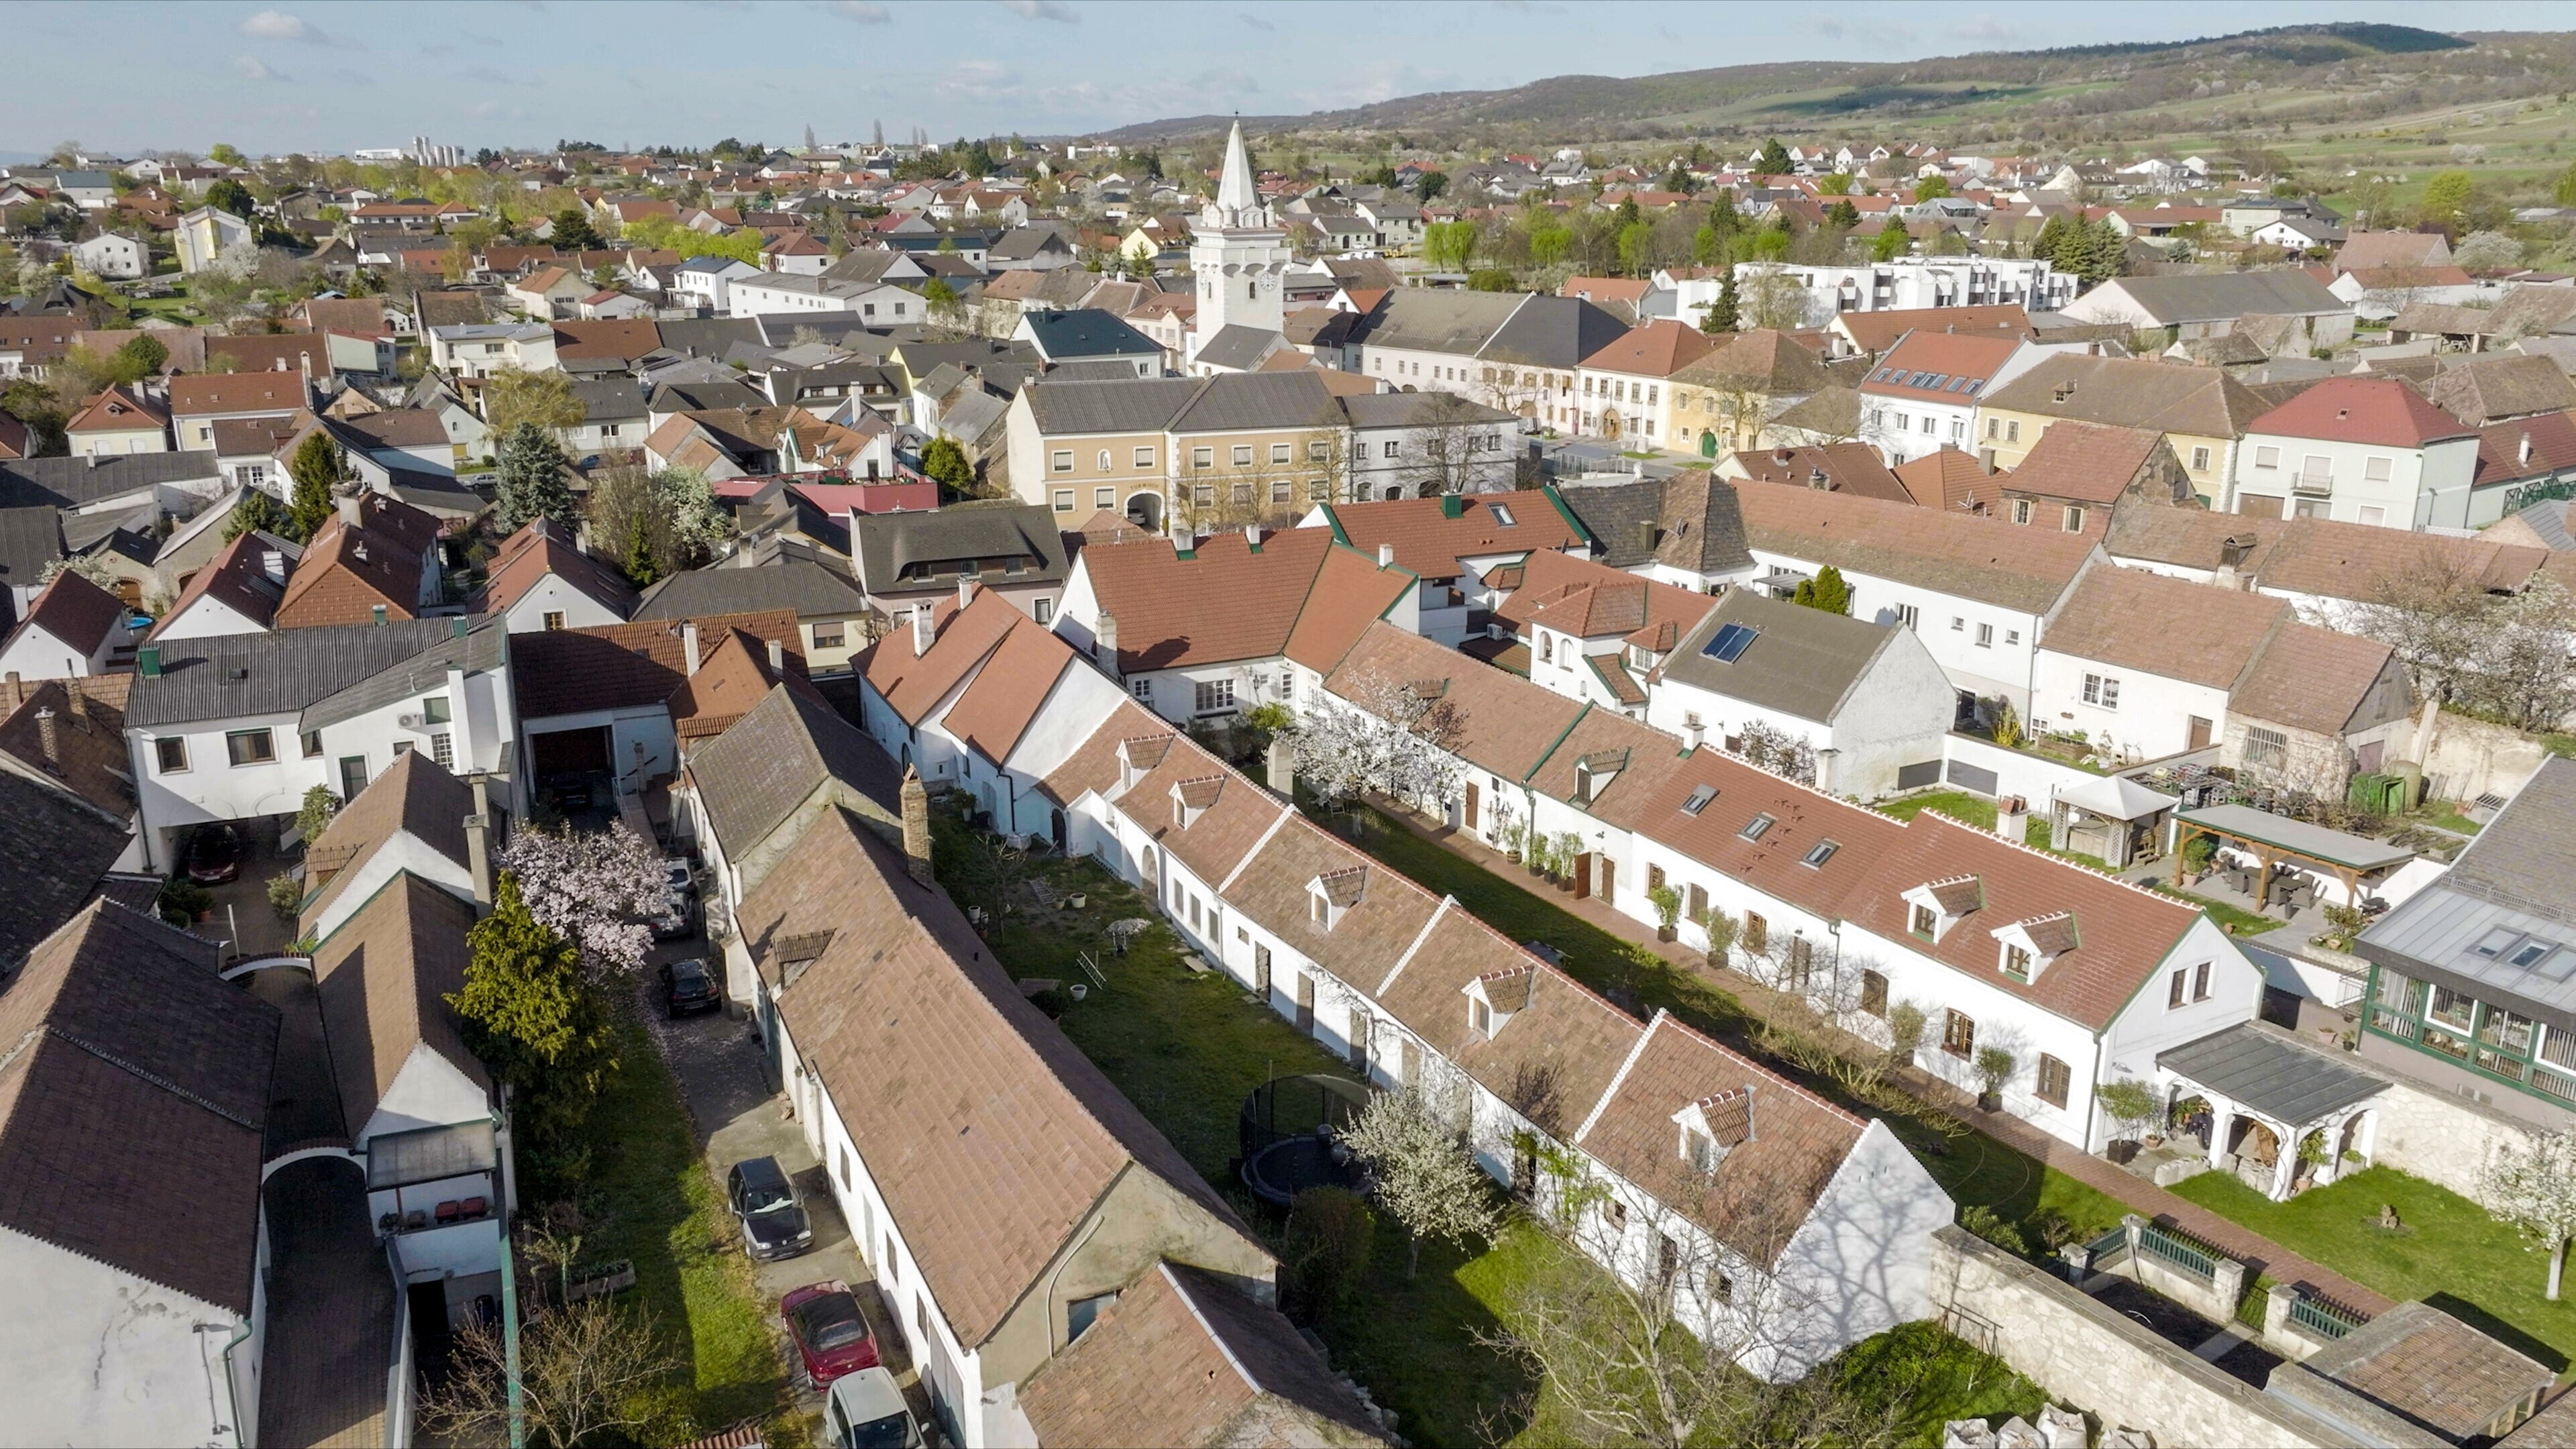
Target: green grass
[1942, 1378]
[2235, 920]
[2442, 815]
[2447, 1251]
[1187, 1048]
[648, 1196]
[1959, 805]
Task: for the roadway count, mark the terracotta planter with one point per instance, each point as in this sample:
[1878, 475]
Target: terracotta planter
[1667, 933]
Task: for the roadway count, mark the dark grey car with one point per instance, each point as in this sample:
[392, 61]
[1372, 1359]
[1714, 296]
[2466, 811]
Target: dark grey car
[764, 1201]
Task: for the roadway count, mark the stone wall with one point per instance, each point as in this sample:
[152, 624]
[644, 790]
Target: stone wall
[2440, 1138]
[2101, 1362]
[2471, 757]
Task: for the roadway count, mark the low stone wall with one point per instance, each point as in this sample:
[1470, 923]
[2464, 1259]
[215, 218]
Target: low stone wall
[2100, 1361]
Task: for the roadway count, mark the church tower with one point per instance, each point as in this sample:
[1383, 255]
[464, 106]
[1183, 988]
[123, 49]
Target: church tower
[1237, 254]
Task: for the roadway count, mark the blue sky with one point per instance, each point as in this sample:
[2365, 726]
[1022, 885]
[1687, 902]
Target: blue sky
[281, 75]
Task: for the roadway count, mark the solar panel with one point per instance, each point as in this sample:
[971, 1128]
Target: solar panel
[1729, 643]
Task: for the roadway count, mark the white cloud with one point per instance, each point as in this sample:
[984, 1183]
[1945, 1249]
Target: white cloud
[979, 80]
[1255, 21]
[275, 25]
[1055, 10]
[859, 12]
[257, 69]
[1984, 26]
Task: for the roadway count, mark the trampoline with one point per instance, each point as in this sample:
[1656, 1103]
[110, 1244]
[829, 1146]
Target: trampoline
[1286, 1133]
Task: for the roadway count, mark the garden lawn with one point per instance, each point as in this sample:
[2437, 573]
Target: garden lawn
[2448, 1250]
[2235, 920]
[648, 1196]
[1187, 1048]
[1959, 805]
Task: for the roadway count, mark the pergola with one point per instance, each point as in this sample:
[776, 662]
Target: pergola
[2257, 1078]
[2106, 812]
[2273, 839]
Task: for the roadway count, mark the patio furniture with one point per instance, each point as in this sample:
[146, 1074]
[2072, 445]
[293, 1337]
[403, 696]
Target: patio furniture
[475, 1207]
[447, 1211]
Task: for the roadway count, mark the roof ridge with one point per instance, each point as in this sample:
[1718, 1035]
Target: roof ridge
[2053, 858]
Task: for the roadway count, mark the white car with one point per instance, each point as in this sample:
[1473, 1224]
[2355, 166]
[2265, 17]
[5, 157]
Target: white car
[866, 1411]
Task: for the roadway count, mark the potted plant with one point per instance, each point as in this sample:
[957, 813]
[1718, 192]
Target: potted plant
[1905, 1022]
[1994, 1068]
[2130, 1105]
[1668, 911]
[1569, 857]
[1722, 929]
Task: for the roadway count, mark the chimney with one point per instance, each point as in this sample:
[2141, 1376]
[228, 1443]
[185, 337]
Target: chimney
[1104, 641]
[965, 591]
[49, 737]
[1694, 734]
[79, 697]
[923, 633]
[916, 827]
[689, 643]
[1282, 768]
[273, 563]
[2523, 455]
[777, 657]
[1386, 555]
[15, 696]
[147, 661]
[478, 847]
[1252, 534]
[349, 515]
[1452, 506]
[2065, 390]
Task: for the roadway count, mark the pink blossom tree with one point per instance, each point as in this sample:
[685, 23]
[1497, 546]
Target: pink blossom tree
[595, 891]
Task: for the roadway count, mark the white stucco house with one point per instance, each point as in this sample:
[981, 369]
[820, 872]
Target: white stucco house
[2359, 450]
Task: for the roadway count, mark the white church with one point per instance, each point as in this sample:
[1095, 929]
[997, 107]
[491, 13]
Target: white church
[1240, 257]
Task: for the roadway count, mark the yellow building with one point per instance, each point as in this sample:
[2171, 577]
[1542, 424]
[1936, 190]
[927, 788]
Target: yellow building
[2201, 411]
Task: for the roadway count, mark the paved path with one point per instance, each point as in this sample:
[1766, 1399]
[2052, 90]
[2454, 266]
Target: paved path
[2258, 1253]
[330, 1312]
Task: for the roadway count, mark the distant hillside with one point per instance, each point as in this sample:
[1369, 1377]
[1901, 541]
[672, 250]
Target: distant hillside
[2249, 84]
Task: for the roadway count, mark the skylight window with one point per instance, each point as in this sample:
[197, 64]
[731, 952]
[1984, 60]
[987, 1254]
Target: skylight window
[1502, 515]
[2496, 942]
[2528, 954]
[1730, 642]
[1823, 851]
[1699, 798]
[1760, 827]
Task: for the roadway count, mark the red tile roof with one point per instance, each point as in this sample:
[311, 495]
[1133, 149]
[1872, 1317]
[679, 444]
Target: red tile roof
[1592, 601]
[912, 684]
[74, 610]
[2380, 411]
[627, 666]
[533, 554]
[1227, 602]
[1950, 479]
[1655, 349]
[2087, 462]
[997, 708]
[2550, 439]
[1951, 367]
[244, 392]
[1430, 541]
[1852, 468]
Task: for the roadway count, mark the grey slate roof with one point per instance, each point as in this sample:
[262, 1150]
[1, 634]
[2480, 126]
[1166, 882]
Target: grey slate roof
[2216, 296]
[2274, 1076]
[30, 538]
[1802, 661]
[799, 584]
[765, 764]
[1698, 524]
[484, 647]
[71, 482]
[1240, 401]
[1553, 332]
[609, 398]
[706, 336]
[228, 676]
[2548, 518]
[696, 397]
[1239, 348]
[53, 850]
[2518, 879]
[1087, 332]
[1140, 405]
[883, 545]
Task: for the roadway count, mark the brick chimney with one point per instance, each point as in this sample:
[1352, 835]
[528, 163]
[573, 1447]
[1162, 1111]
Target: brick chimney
[916, 827]
[924, 632]
[79, 697]
[49, 737]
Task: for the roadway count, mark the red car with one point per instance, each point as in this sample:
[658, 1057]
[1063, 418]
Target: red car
[831, 1335]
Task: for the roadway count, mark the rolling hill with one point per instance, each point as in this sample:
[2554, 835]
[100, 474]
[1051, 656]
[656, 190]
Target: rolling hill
[2266, 87]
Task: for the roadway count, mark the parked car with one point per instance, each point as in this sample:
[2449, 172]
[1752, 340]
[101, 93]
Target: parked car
[764, 1201]
[866, 1411]
[215, 855]
[682, 877]
[568, 790]
[677, 918]
[832, 1336]
[688, 986]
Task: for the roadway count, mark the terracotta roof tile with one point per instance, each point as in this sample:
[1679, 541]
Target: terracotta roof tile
[1852, 468]
[414, 796]
[1001, 702]
[2369, 410]
[1979, 558]
[2172, 627]
[2310, 678]
[1496, 722]
[1431, 543]
[1658, 348]
[535, 553]
[623, 666]
[1592, 601]
[912, 684]
[384, 977]
[243, 392]
[1875, 332]
[2088, 462]
[1949, 367]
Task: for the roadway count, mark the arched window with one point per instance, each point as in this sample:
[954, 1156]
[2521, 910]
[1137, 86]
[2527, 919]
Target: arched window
[1252, 290]
[1104, 460]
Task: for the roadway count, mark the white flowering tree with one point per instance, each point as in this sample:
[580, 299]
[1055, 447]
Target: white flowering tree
[1778, 751]
[595, 891]
[2533, 1188]
[1384, 737]
[1414, 1143]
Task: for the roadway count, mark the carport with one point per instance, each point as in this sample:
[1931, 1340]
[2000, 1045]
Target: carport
[583, 750]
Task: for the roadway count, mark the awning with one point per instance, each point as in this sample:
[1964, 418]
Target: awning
[2315, 842]
[1777, 579]
[430, 1154]
[2116, 798]
[2270, 1076]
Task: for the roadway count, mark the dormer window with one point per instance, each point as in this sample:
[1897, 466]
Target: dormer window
[1330, 896]
[1137, 757]
[2017, 963]
[1192, 798]
[1494, 997]
[1698, 1150]
[1713, 1126]
[1926, 922]
[1934, 907]
[2030, 946]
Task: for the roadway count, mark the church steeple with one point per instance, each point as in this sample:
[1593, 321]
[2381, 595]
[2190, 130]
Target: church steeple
[1235, 192]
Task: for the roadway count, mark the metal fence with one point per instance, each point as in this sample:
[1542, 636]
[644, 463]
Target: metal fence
[2325, 1316]
[2180, 1252]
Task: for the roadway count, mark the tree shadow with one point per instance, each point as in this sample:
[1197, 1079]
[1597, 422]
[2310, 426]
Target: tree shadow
[2501, 1331]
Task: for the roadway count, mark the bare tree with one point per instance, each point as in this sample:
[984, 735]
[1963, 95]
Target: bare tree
[2432, 613]
[1773, 297]
[2501, 654]
[1442, 456]
[581, 1367]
